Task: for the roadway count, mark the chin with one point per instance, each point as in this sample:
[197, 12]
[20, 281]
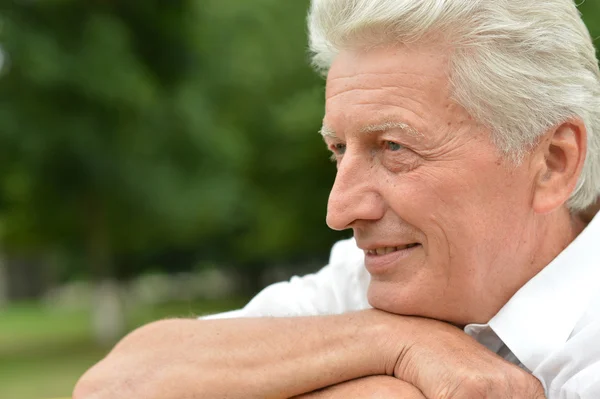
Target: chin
[395, 299]
[414, 301]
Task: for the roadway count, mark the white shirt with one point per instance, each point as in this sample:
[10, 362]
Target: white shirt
[551, 327]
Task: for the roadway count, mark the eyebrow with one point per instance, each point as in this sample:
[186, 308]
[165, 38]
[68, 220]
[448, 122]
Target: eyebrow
[327, 132]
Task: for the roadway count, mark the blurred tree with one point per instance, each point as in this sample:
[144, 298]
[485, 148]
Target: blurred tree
[264, 90]
[132, 127]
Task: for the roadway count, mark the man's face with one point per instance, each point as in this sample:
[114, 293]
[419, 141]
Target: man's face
[444, 220]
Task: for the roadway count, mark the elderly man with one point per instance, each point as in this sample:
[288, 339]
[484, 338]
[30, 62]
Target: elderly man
[466, 135]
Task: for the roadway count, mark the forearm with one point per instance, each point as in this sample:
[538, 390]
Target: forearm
[244, 358]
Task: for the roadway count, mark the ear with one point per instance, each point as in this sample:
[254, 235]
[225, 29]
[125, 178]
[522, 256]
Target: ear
[562, 154]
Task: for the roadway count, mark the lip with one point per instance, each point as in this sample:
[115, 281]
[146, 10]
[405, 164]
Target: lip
[382, 264]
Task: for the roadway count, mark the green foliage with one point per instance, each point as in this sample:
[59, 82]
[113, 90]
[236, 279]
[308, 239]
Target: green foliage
[128, 128]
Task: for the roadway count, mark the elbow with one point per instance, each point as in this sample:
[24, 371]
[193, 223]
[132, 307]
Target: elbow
[133, 365]
[90, 385]
[84, 389]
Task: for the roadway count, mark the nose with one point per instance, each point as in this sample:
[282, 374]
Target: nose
[354, 195]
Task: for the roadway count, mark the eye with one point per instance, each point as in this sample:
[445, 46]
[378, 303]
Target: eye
[338, 149]
[392, 146]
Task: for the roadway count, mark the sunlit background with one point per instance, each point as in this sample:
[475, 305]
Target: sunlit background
[158, 158]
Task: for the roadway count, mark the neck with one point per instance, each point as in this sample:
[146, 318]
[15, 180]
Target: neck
[555, 232]
[548, 236]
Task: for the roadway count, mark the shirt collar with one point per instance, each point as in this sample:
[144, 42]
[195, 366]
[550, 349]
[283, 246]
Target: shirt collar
[541, 316]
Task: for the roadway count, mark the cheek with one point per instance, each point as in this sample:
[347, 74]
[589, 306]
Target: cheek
[430, 192]
[470, 188]
[458, 207]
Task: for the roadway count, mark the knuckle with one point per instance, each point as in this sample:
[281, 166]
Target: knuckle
[535, 389]
[469, 385]
[525, 385]
[502, 382]
[483, 386]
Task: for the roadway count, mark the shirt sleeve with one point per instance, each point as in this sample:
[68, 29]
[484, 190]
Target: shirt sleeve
[573, 371]
[339, 287]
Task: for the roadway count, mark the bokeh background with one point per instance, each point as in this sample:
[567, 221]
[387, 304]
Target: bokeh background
[158, 158]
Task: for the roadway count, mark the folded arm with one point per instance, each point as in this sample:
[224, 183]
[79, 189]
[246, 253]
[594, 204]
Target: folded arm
[286, 357]
[243, 358]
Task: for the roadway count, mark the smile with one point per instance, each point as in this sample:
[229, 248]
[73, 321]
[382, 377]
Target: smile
[384, 260]
[388, 250]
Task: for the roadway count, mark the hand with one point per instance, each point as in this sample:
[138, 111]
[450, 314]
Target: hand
[375, 387]
[444, 362]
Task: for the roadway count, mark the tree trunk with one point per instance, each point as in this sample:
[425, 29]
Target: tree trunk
[108, 315]
[3, 281]
[250, 277]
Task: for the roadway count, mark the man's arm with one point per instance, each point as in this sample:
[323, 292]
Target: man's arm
[242, 358]
[282, 358]
[379, 387]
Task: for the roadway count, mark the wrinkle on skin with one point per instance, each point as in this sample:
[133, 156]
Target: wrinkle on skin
[391, 85]
[378, 110]
[448, 188]
[383, 101]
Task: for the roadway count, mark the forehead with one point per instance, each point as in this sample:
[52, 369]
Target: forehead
[418, 59]
[400, 84]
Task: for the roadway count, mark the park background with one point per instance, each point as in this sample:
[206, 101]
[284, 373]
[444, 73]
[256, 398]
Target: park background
[157, 159]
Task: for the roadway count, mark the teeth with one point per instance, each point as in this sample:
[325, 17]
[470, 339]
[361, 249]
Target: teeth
[388, 250]
[383, 251]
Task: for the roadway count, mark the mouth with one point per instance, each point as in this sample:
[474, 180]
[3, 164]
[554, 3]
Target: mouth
[384, 260]
[382, 251]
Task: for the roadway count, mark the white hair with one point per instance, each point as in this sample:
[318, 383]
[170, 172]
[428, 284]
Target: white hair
[519, 67]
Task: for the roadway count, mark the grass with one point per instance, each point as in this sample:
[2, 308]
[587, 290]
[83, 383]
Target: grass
[44, 351]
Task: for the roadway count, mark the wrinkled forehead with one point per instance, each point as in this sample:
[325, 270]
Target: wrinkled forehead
[405, 86]
[424, 62]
